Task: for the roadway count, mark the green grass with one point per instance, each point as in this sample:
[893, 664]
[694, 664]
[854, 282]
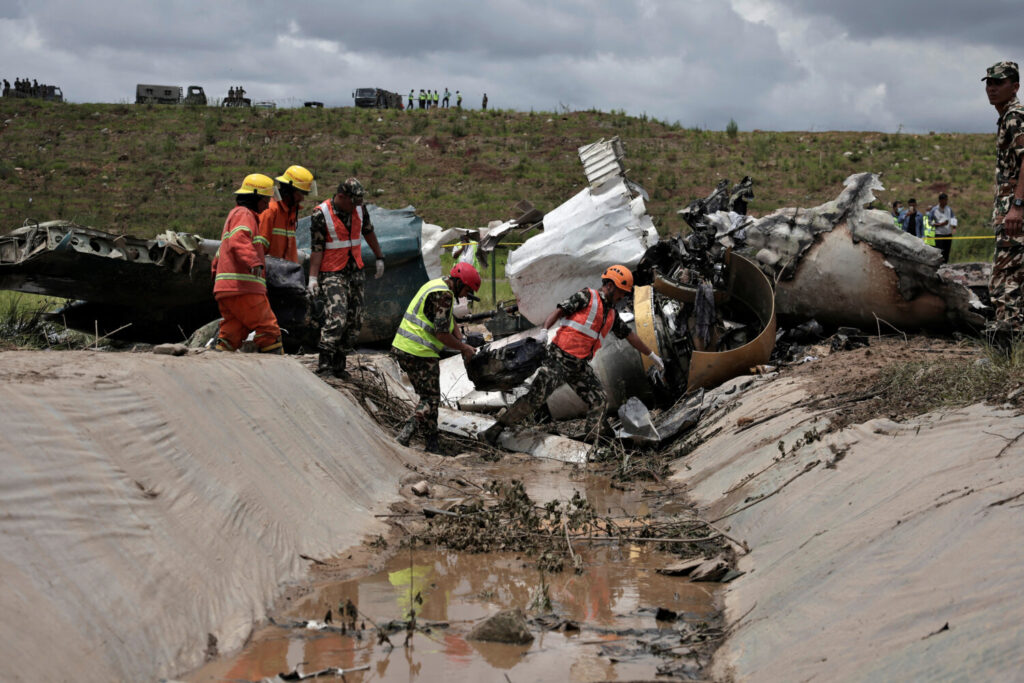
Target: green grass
[22, 324]
[921, 386]
[143, 169]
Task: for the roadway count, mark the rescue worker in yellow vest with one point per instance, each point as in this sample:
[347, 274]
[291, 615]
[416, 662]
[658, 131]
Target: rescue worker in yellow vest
[277, 223]
[929, 231]
[584, 319]
[238, 269]
[337, 228]
[428, 326]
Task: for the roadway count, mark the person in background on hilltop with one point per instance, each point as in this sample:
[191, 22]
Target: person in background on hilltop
[427, 327]
[277, 223]
[943, 221]
[410, 98]
[238, 272]
[911, 221]
[458, 99]
[337, 228]
[447, 97]
[437, 100]
[484, 104]
[423, 98]
[1002, 80]
[584, 319]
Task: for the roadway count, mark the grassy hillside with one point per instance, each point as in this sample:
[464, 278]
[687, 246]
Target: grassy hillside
[145, 169]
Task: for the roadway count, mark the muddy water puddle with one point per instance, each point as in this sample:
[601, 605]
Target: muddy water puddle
[613, 603]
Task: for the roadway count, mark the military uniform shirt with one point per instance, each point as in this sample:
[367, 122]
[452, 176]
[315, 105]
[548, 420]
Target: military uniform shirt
[1009, 152]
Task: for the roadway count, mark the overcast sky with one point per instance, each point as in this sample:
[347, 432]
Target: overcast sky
[769, 64]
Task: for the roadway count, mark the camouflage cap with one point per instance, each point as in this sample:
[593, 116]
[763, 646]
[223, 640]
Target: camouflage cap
[1002, 70]
[352, 187]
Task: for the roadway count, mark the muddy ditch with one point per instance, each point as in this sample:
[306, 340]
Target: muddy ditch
[596, 560]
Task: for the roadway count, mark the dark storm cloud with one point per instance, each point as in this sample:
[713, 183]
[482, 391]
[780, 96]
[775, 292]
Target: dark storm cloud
[994, 22]
[773, 64]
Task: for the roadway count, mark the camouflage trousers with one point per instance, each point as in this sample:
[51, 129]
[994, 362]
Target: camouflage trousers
[1006, 288]
[425, 376]
[560, 368]
[342, 291]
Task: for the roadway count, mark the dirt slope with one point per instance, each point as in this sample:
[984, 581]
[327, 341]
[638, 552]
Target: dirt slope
[154, 506]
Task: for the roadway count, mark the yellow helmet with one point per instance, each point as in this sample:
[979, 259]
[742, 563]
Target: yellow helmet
[257, 183]
[299, 178]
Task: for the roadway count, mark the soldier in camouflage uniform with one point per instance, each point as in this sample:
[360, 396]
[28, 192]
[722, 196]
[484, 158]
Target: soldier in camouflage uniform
[427, 327]
[1001, 83]
[585, 318]
[336, 229]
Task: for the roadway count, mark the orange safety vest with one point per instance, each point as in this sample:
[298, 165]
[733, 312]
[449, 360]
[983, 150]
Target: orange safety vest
[241, 250]
[340, 240]
[277, 226]
[580, 334]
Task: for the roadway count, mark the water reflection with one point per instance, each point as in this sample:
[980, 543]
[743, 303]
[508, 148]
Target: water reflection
[614, 592]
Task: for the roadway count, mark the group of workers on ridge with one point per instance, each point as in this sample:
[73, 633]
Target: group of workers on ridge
[430, 99]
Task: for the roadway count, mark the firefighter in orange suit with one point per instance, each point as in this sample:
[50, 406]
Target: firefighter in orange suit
[584, 319]
[277, 223]
[238, 268]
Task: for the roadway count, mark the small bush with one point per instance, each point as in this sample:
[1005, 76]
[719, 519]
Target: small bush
[732, 129]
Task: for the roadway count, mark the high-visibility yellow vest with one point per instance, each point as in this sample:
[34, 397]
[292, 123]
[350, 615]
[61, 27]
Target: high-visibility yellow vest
[416, 334]
[929, 232]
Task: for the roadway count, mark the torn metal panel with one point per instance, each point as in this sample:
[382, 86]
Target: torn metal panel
[535, 443]
[602, 225]
[160, 290]
[602, 161]
[845, 264]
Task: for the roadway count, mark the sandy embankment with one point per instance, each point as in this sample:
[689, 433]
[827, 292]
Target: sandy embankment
[149, 501]
[893, 551]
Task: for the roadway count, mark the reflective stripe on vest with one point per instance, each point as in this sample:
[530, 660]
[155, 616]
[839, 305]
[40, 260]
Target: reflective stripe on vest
[929, 232]
[580, 334]
[416, 334]
[340, 246]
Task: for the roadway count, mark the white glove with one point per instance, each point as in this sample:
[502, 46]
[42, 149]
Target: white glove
[380, 269]
[313, 286]
[658, 362]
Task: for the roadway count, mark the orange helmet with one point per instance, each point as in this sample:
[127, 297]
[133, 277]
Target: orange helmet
[620, 277]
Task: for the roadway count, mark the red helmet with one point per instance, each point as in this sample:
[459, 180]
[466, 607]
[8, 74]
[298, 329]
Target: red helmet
[467, 275]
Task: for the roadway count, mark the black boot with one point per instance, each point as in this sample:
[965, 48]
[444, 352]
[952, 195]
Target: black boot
[338, 365]
[491, 434]
[405, 435]
[432, 444]
[323, 365]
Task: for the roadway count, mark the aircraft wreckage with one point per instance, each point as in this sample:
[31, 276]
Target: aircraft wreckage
[705, 300]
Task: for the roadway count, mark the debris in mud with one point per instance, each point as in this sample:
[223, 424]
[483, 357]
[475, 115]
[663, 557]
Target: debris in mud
[507, 626]
[514, 522]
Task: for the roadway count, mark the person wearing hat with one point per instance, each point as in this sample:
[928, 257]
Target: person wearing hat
[1002, 81]
[277, 223]
[238, 283]
[337, 229]
[584, 319]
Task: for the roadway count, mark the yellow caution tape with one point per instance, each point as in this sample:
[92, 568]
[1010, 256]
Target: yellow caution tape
[466, 244]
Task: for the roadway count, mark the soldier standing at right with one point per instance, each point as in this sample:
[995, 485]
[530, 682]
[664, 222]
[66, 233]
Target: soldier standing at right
[1001, 83]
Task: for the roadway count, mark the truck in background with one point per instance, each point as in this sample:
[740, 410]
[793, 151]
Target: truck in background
[378, 98]
[147, 93]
